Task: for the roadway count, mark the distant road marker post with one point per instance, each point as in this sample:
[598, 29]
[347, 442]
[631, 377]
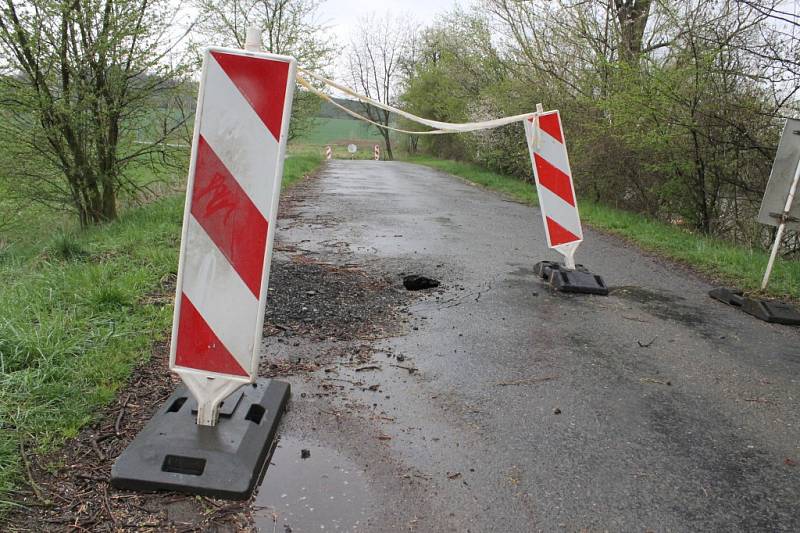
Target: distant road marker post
[377, 152]
[328, 152]
[213, 436]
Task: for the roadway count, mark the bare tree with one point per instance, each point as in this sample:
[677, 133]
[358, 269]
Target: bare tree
[289, 27]
[80, 78]
[377, 51]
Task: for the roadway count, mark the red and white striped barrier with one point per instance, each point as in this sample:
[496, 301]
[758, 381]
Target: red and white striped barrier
[235, 176]
[377, 152]
[554, 184]
[328, 152]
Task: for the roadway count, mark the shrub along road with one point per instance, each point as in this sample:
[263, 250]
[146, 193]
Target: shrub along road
[493, 404]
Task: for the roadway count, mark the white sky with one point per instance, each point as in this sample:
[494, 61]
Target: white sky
[343, 15]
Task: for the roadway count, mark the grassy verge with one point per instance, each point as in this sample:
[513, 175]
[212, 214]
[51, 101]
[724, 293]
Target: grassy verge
[300, 164]
[78, 313]
[732, 264]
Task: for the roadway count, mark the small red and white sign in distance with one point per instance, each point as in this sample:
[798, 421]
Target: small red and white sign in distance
[235, 173]
[377, 152]
[554, 185]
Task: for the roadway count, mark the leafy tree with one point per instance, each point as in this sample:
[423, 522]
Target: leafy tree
[80, 79]
[670, 108]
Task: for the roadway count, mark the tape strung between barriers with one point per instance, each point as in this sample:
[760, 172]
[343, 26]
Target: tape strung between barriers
[568, 279]
[441, 127]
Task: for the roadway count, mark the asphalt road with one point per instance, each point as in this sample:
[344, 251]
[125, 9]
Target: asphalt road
[675, 412]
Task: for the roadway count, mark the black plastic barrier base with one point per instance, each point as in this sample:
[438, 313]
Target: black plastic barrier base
[562, 279]
[225, 461]
[766, 310]
[729, 296]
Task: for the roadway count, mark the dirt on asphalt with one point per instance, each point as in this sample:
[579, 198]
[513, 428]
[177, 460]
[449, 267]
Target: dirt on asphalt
[339, 307]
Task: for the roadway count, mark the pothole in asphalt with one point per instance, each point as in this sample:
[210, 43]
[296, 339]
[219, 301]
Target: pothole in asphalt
[323, 492]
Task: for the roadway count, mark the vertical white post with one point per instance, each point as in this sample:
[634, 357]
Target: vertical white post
[252, 41]
[782, 227]
[568, 251]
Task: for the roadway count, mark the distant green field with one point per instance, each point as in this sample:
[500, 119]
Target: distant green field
[332, 130]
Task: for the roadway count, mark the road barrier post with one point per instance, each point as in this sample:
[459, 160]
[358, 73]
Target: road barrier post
[556, 191]
[235, 174]
[377, 152]
[328, 153]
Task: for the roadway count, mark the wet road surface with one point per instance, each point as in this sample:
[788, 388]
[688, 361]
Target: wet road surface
[652, 409]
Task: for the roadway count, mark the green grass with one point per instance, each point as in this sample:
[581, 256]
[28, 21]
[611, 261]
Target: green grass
[719, 259]
[76, 318]
[300, 164]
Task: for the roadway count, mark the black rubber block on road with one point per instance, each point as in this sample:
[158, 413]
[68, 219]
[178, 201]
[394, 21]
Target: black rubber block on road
[224, 461]
[729, 296]
[543, 268]
[577, 281]
[772, 311]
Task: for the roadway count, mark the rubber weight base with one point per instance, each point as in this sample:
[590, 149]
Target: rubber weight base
[224, 461]
[562, 279]
[766, 310]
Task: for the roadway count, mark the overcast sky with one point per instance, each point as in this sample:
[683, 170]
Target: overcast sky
[343, 15]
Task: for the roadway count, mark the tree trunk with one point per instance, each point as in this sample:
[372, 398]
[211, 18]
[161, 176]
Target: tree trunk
[389, 154]
[632, 16]
[108, 209]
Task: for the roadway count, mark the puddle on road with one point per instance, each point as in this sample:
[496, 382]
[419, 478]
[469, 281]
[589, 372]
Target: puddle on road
[324, 492]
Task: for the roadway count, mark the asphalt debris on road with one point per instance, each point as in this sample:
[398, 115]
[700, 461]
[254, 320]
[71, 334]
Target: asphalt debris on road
[417, 282]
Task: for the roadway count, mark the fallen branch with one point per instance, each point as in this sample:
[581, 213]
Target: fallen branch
[656, 381]
[118, 421]
[526, 381]
[646, 344]
[410, 369]
[350, 381]
[37, 490]
[97, 449]
[368, 367]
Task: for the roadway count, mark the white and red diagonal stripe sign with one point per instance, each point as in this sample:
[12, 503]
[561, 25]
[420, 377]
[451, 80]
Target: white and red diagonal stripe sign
[554, 182]
[231, 202]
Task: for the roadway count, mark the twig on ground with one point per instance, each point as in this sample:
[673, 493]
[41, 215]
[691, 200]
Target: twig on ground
[635, 319]
[350, 381]
[410, 369]
[656, 381]
[368, 367]
[97, 449]
[759, 400]
[37, 490]
[108, 506]
[526, 381]
[118, 421]
[646, 344]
